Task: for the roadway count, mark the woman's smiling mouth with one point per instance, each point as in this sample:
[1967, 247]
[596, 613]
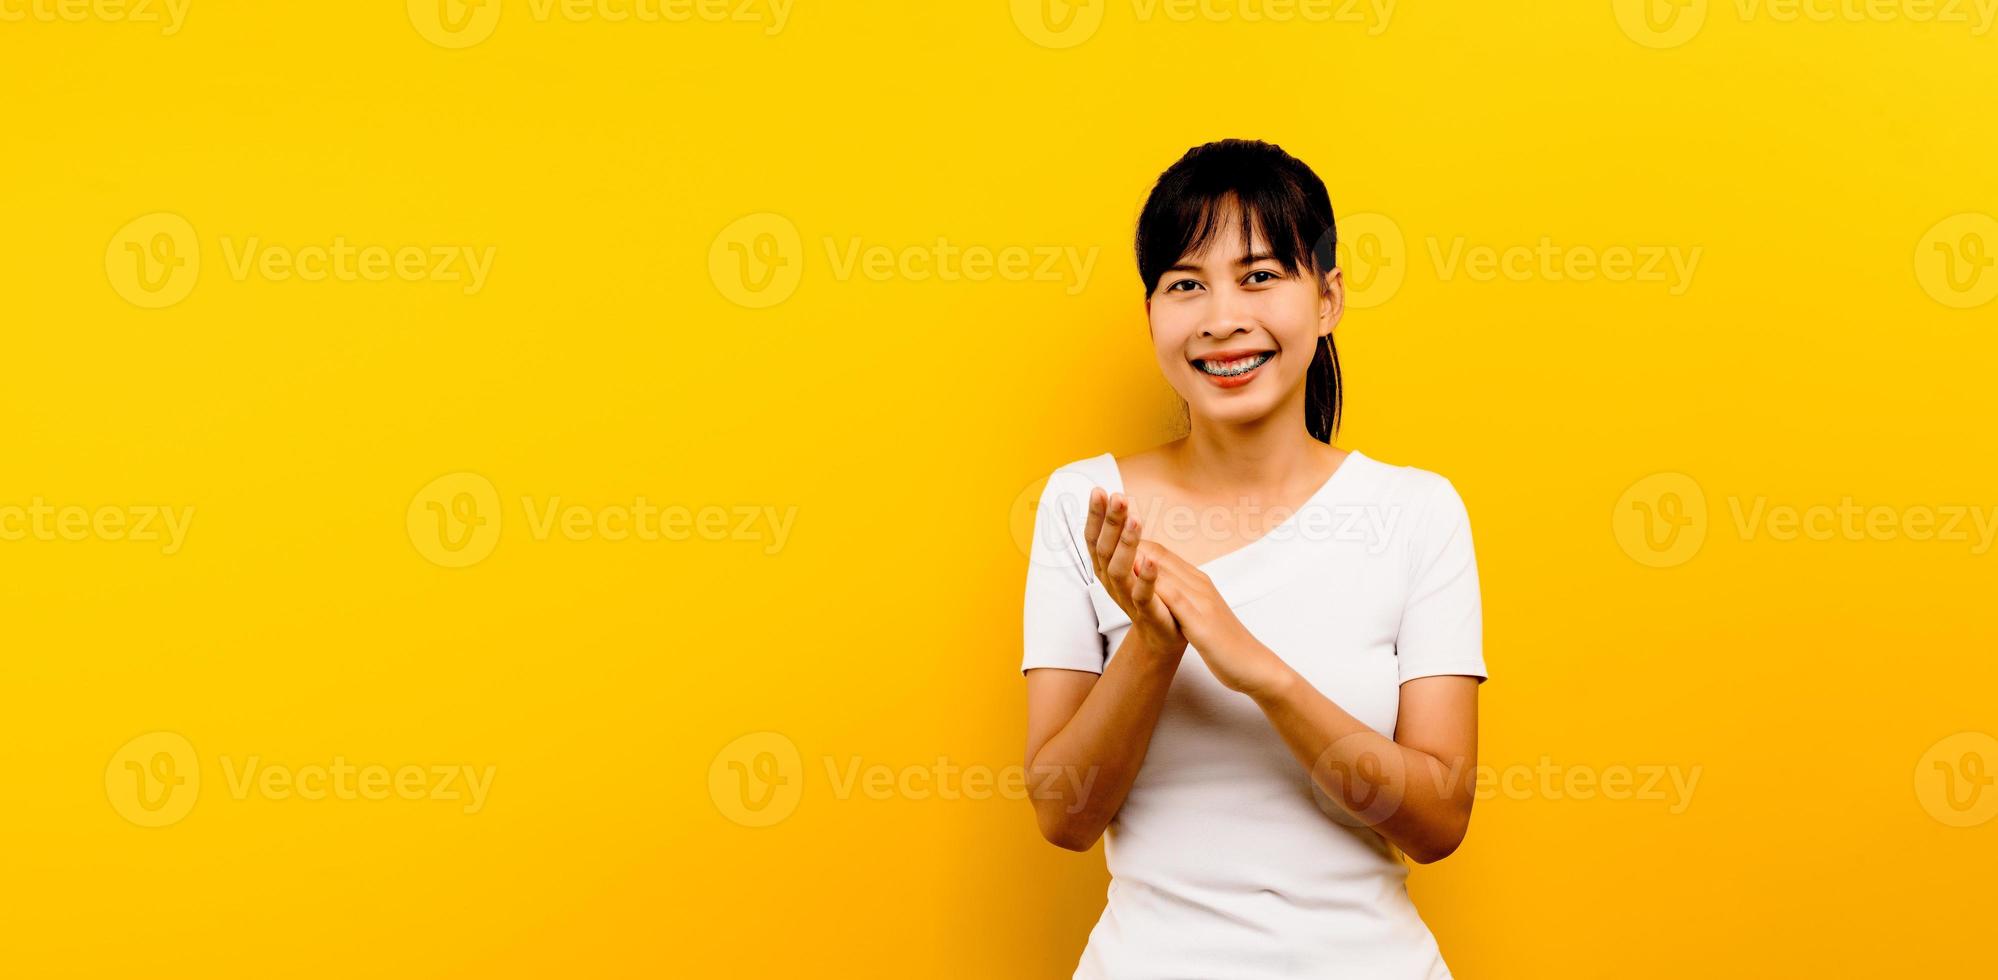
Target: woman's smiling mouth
[1233, 368]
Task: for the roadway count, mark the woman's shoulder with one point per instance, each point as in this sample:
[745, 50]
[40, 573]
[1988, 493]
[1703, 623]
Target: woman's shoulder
[1066, 489]
[1107, 469]
[1098, 470]
[1146, 462]
[1411, 486]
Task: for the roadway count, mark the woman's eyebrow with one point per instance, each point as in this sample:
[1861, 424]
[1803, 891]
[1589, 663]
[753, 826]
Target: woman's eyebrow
[1246, 260]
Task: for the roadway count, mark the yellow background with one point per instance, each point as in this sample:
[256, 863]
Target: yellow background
[906, 421]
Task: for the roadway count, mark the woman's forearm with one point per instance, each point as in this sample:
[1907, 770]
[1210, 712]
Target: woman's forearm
[1417, 801]
[1082, 774]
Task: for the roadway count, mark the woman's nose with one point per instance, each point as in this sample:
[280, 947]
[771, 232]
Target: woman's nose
[1230, 316]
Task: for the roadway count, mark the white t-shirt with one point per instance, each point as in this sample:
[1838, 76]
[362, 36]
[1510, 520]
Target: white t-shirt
[1226, 860]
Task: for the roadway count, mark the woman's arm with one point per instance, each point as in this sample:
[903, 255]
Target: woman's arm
[1087, 733]
[1087, 736]
[1416, 788]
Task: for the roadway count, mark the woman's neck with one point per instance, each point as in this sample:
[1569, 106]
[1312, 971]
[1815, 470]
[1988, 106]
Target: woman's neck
[1273, 454]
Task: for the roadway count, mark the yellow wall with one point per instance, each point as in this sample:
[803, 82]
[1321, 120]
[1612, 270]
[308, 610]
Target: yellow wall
[838, 457]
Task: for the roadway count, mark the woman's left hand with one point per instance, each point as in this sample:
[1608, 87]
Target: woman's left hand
[1235, 657]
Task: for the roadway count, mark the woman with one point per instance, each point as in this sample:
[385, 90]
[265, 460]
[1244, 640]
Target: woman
[1258, 794]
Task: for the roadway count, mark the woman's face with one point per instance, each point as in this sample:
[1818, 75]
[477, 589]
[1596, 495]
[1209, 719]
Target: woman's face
[1234, 332]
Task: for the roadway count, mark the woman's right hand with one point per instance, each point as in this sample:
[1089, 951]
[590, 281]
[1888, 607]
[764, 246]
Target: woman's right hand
[1116, 541]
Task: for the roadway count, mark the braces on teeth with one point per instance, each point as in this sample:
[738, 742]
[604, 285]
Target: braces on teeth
[1242, 366]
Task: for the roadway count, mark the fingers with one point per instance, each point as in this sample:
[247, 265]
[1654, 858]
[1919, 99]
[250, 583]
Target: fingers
[1098, 500]
[1165, 565]
[1147, 579]
[1148, 594]
[1163, 582]
[1144, 573]
[1176, 582]
[1119, 568]
[1111, 529]
[1168, 558]
[1173, 568]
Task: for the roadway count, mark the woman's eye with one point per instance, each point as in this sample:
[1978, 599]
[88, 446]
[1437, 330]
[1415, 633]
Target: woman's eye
[1189, 283]
[1261, 272]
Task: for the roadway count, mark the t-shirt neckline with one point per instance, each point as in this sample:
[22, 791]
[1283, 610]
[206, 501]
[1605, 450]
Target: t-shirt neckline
[1281, 531]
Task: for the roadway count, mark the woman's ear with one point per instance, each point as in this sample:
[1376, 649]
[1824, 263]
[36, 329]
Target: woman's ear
[1331, 301]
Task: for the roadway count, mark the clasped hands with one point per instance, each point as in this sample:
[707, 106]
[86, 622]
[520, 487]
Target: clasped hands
[1172, 602]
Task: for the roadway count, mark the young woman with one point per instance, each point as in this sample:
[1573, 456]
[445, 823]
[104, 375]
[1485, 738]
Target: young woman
[1260, 791]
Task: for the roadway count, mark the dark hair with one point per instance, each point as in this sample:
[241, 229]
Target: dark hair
[1275, 194]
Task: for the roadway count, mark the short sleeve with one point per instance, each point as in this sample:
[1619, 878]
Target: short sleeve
[1060, 625]
[1442, 620]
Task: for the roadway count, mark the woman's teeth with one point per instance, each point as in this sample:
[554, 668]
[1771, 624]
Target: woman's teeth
[1228, 369]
